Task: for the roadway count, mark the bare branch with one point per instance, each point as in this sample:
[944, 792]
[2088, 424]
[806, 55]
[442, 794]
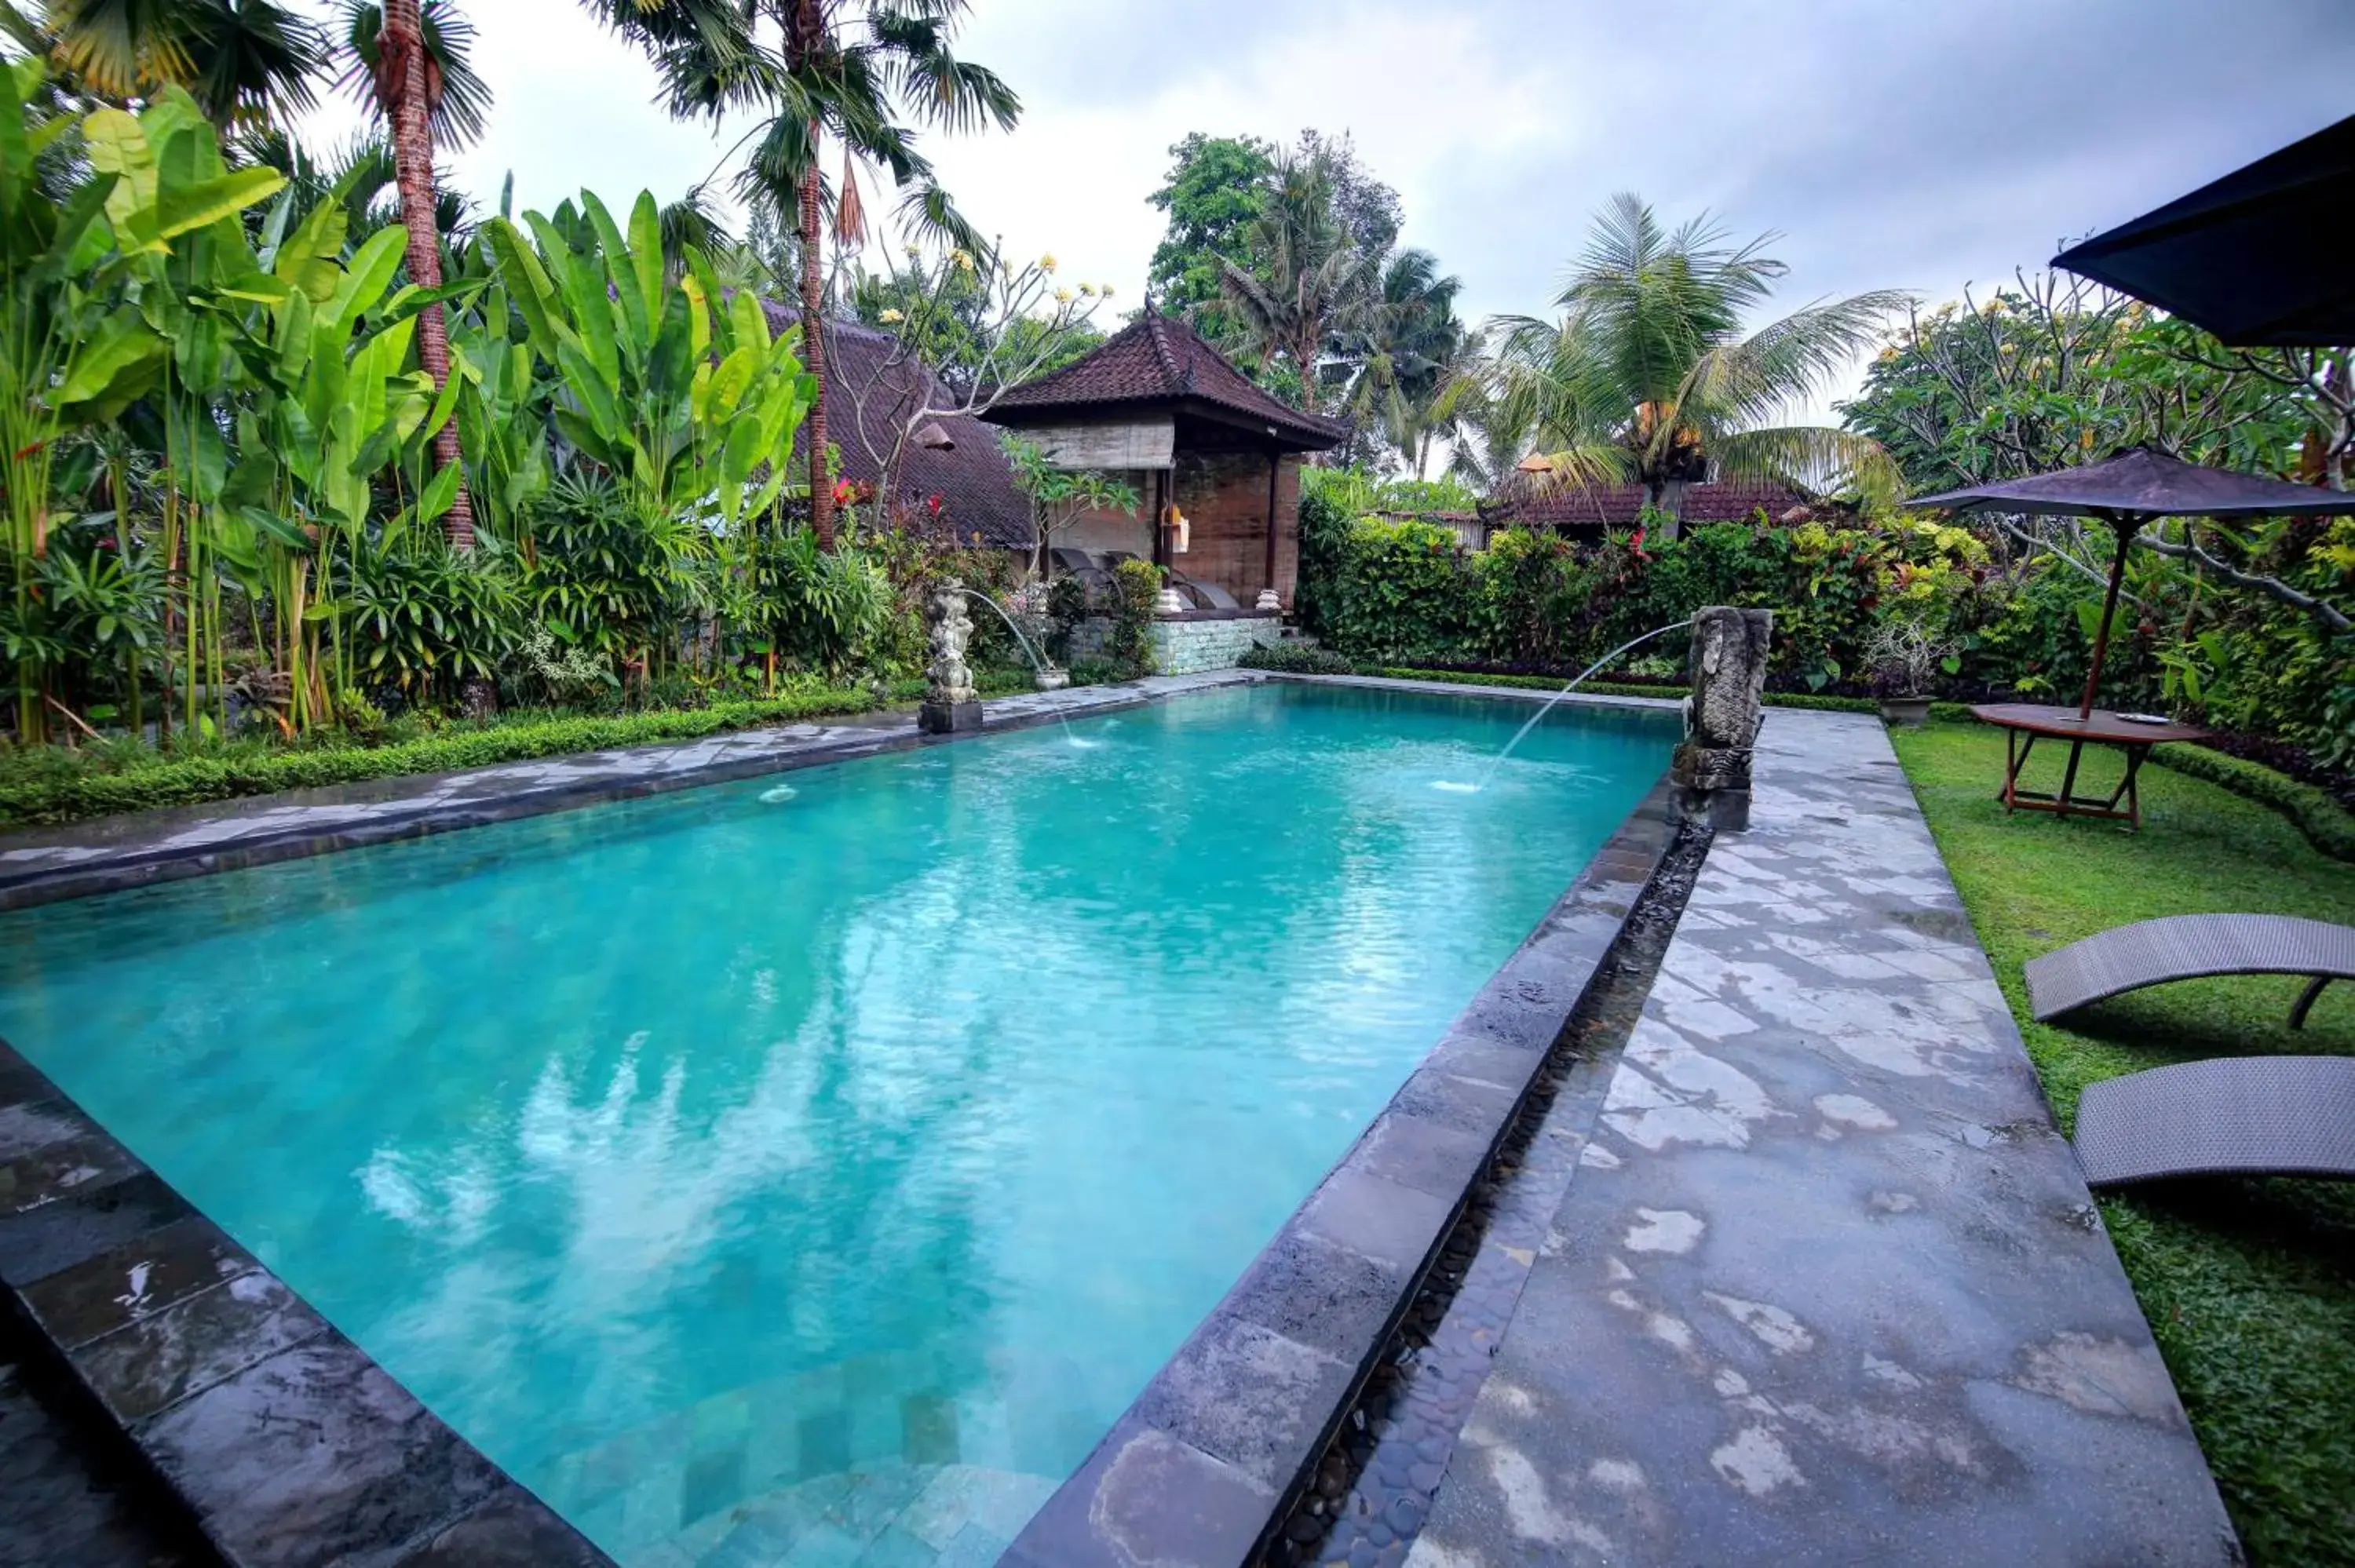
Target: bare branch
[2322, 610]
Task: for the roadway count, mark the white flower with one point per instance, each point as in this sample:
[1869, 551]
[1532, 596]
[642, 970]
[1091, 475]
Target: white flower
[1062, 296]
[1047, 262]
[913, 251]
[891, 316]
[963, 262]
[1106, 290]
[1089, 290]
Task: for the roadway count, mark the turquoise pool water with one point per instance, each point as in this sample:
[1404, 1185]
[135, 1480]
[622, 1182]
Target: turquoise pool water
[874, 1130]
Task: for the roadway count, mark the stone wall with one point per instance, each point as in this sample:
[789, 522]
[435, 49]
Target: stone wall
[1186, 646]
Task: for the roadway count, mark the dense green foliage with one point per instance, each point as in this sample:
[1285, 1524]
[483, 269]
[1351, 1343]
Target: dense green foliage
[222, 508]
[1135, 585]
[1215, 190]
[2249, 1284]
[60, 786]
[2247, 624]
[2327, 826]
[1288, 260]
[1403, 592]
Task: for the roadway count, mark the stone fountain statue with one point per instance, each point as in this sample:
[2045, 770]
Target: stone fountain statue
[950, 701]
[1727, 668]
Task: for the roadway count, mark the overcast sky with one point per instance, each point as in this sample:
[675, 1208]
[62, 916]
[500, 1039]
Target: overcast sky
[1908, 143]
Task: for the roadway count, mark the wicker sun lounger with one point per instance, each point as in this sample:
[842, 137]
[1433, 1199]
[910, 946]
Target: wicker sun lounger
[2187, 947]
[2247, 1116]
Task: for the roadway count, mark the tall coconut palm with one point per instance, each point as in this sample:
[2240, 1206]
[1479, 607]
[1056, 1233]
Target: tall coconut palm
[1649, 375]
[1309, 282]
[815, 69]
[408, 63]
[1405, 341]
[244, 61]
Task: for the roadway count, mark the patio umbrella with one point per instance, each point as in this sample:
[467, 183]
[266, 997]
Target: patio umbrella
[2137, 487]
[2258, 257]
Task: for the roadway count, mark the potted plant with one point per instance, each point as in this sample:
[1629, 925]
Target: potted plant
[1903, 655]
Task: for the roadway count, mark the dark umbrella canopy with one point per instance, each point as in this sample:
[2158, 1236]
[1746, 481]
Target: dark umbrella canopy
[2131, 489]
[2258, 257]
[2144, 482]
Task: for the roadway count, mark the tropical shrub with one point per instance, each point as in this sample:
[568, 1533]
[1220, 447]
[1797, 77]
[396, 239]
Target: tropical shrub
[1137, 585]
[1298, 659]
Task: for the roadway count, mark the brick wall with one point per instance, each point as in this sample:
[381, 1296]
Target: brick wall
[1224, 497]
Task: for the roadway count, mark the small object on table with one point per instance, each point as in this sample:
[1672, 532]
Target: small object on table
[2024, 724]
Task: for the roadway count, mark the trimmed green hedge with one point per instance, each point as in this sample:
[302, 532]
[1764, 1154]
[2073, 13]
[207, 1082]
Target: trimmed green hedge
[1619, 689]
[1297, 659]
[190, 780]
[2326, 824]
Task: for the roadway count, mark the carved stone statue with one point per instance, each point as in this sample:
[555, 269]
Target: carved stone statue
[950, 701]
[1727, 668]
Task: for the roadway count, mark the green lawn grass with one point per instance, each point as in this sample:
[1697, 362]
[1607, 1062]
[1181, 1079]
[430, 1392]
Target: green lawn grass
[2249, 1285]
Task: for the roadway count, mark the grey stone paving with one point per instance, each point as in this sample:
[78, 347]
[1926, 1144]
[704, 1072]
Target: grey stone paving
[1827, 1287]
[37, 864]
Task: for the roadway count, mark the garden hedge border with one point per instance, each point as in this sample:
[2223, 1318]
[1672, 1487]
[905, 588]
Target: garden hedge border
[195, 781]
[1617, 688]
[2327, 825]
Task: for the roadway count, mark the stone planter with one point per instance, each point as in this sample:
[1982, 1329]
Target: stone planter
[1908, 712]
[1050, 679]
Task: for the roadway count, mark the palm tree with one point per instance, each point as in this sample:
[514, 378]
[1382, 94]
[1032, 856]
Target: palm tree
[1309, 283]
[1648, 375]
[822, 75]
[1407, 344]
[244, 61]
[407, 62]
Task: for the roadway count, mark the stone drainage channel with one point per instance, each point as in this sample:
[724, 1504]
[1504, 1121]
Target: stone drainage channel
[1370, 1491]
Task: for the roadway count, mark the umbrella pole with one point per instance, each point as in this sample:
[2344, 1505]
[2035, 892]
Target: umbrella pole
[2127, 528]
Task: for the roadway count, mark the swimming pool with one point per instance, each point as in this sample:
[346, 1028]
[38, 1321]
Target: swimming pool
[862, 1138]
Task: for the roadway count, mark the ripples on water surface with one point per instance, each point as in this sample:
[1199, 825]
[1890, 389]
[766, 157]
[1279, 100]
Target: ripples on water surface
[686, 1152]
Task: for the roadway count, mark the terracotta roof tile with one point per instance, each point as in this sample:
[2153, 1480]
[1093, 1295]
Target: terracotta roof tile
[1620, 505]
[972, 481]
[1159, 358]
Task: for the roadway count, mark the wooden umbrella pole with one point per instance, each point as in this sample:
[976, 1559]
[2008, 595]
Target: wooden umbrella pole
[2126, 526]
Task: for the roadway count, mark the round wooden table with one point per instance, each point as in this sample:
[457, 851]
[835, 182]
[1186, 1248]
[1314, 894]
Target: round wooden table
[2024, 724]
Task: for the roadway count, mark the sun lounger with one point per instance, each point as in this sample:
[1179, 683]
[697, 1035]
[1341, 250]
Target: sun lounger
[2245, 1116]
[2187, 947]
[1081, 565]
[1201, 595]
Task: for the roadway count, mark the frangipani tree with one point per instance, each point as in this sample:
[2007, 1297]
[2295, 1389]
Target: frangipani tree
[1649, 375]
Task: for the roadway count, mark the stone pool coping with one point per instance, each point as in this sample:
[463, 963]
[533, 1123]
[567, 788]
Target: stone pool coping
[41, 865]
[1204, 1467]
[105, 854]
[286, 1444]
[289, 1445]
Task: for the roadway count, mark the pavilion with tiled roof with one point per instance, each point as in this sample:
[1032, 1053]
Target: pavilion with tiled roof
[1196, 437]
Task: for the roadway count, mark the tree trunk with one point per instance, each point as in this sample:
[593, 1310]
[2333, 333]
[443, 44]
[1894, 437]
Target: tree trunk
[401, 52]
[1667, 495]
[813, 352]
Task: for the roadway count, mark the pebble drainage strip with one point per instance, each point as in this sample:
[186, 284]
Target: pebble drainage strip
[1374, 1486]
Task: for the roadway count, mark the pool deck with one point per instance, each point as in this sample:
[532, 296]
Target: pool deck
[1827, 1286]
